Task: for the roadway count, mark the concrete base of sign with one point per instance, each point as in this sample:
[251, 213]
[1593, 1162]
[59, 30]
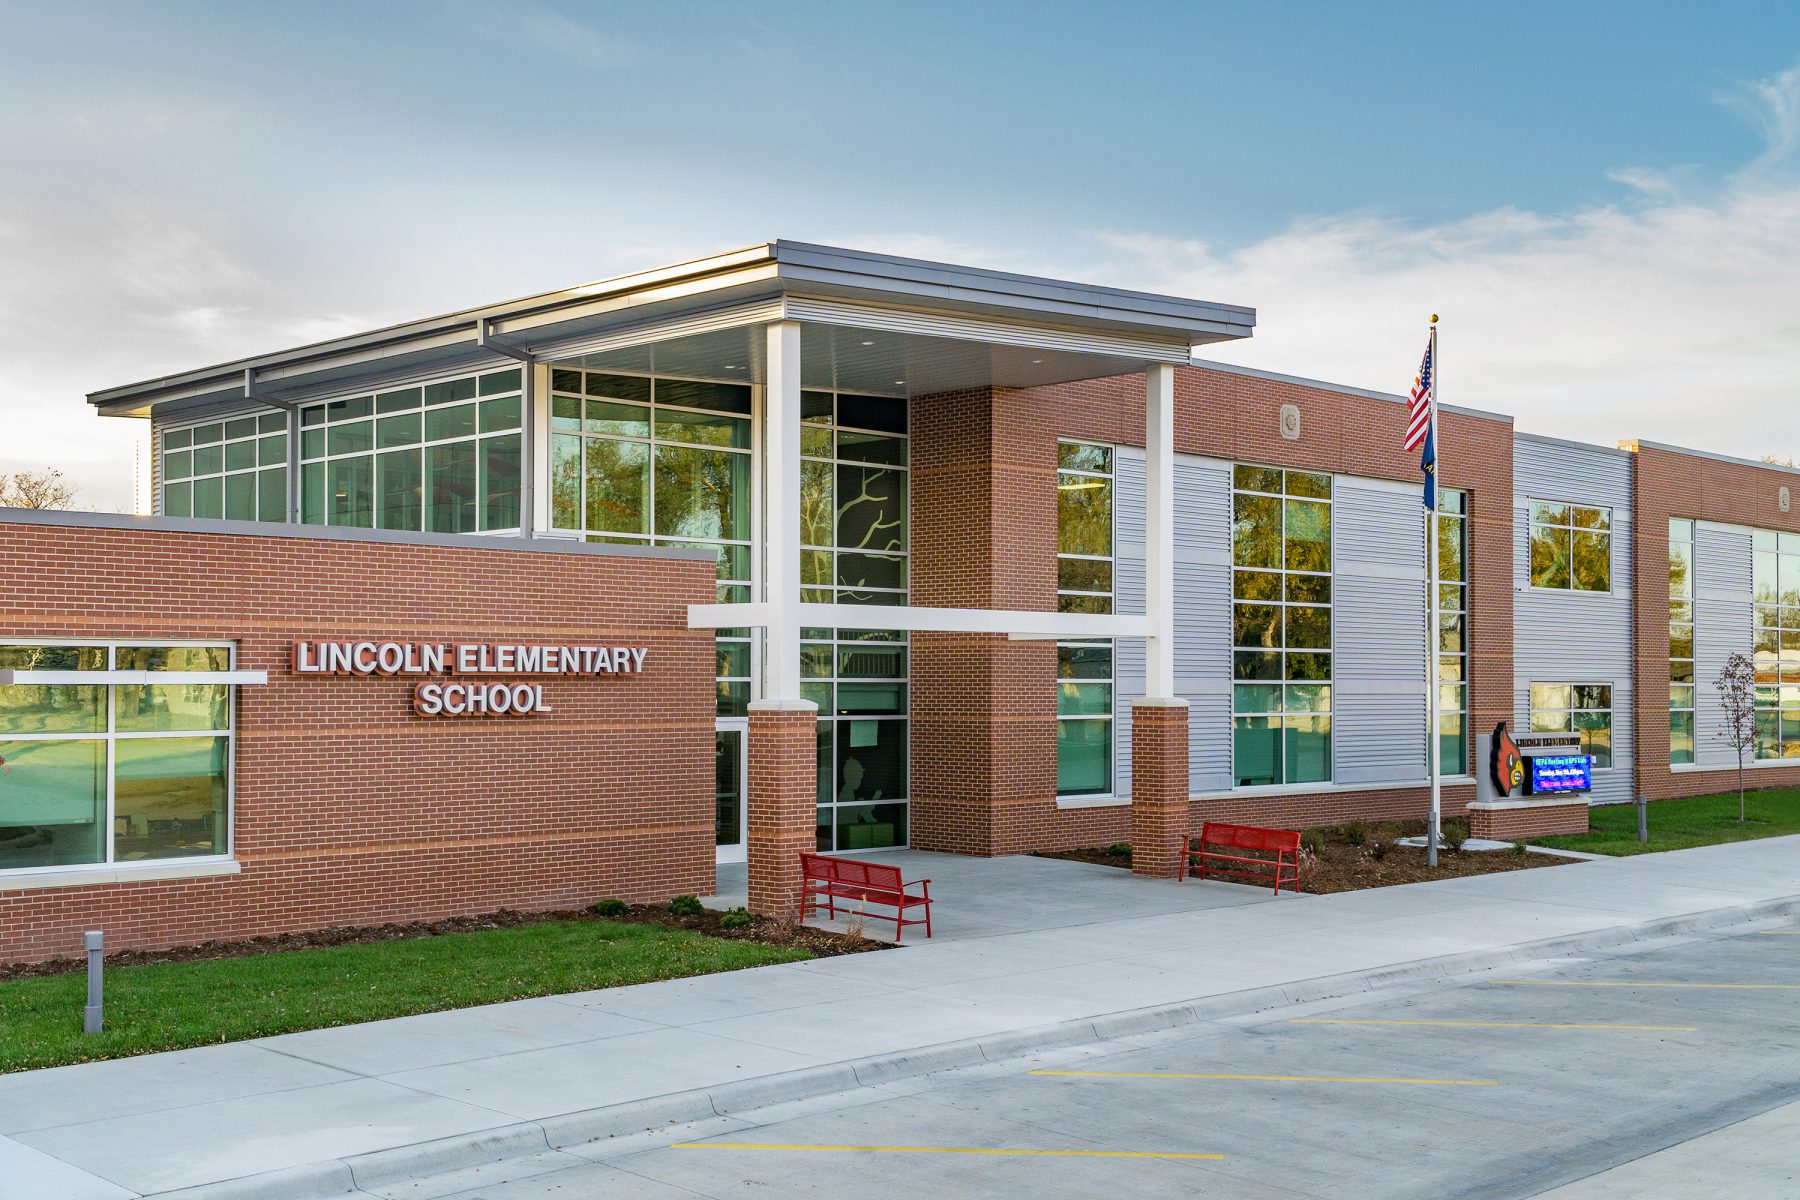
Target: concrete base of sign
[1521, 820]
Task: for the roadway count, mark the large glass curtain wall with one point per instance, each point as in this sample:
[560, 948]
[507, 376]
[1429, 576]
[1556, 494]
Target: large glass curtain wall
[854, 550]
[661, 462]
[1281, 623]
[443, 457]
[1084, 584]
[99, 773]
[1776, 578]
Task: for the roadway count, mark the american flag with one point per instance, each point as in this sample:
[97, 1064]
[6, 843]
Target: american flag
[1418, 404]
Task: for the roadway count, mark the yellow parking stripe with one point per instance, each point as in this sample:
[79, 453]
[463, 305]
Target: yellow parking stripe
[1270, 1078]
[1628, 983]
[945, 1150]
[1494, 1024]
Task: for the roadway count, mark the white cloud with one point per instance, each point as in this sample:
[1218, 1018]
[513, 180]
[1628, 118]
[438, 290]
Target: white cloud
[1675, 318]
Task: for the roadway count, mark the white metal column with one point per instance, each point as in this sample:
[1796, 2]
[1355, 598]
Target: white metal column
[1159, 530]
[781, 500]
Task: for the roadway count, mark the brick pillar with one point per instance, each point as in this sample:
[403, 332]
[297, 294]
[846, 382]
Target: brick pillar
[1159, 785]
[782, 792]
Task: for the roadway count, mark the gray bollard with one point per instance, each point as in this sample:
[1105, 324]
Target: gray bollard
[95, 941]
[1643, 818]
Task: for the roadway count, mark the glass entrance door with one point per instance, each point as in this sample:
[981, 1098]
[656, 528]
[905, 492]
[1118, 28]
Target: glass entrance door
[729, 769]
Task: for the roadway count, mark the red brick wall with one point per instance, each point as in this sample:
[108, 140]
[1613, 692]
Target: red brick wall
[984, 535]
[350, 809]
[1672, 484]
[1523, 824]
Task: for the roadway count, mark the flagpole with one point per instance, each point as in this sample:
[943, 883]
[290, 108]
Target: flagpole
[1432, 739]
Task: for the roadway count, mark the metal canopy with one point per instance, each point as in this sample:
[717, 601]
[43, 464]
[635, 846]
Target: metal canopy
[872, 322]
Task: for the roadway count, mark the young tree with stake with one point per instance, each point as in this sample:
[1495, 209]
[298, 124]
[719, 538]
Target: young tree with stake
[1736, 685]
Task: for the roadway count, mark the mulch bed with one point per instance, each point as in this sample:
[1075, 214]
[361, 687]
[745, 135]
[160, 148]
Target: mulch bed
[822, 943]
[1364, 856]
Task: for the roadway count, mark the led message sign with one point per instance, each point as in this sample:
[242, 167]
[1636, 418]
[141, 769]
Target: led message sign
[1553, 773]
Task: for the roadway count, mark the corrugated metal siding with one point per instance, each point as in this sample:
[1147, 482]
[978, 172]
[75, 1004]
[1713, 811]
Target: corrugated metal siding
[1576, 637]
[1202, 611]
[1378, 627]
[1724, 600]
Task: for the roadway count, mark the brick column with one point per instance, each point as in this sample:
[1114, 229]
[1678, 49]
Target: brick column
[1159, 785]
[781, 792]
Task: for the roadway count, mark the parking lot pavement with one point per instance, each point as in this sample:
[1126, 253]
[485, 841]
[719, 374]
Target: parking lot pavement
[1506, 1086]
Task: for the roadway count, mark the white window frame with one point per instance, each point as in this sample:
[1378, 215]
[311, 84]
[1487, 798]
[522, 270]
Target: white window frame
[110, 736]
[223, 473]
[1611, 710]
[1111, 791]
[1532, 523]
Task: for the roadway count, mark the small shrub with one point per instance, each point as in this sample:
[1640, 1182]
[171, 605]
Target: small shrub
[1119, 850]
[1455, 834]
[1306, 866]
[1313, 842]
[1356, 833]
[1518, 847]
[1378, 850]
[737, 918]
[686, 906]
[612, 906]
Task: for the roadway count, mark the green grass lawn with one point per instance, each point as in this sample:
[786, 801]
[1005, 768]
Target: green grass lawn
[1679, 824]
[167, 1006]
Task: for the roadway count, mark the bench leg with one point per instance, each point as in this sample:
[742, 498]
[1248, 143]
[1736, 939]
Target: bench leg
[928, 919]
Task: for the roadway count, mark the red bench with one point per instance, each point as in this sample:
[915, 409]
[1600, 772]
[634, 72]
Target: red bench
[835, 879]
[1255, 865]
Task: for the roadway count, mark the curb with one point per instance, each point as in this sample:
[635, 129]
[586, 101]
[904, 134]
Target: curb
[362, 1173]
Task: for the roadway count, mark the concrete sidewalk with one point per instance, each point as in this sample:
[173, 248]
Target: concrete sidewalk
[372, 1105]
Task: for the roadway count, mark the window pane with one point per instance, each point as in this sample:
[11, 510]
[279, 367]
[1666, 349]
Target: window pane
[1453, 747]
[178, 439]
[871, 570]
[1549, 695]
[173, 658]
[1305, 483]
[1256, 479]
[1549, 514]
[496, 382]
[441, 423]
[400, 480]
[1309, 666]
[398, 401]
[1308, 749]
[870, 827]
[697, 393]
[208, 460]
[53, 803]
[178, 500]
[1308, 536]
[240, 456]
[1681, 737]
[565, 481]
[871, 447]
[1256, 625]
[618, 486]
[871, 760]
[1309, 589]
[179, 465]
[240, 496]
[271, 450]
[618, 387]
[1596, 736]
[1310, 628]
[1256, 664]
[448, 392]
[1681, 641]
[403, 430]
[500, 482]
[1256, 698]
[701, 493]
[858, 698]
[164, 708]
[1450, 550]
[353, 491]
[1084, 662]
[871, 662]
[1083, 699]
[312, 494]
[1083, 758]
[41, 708]
[1084, 515]
[1256, 585]
[169, 797]
[1590, 518]
[1256, 751]
[1084, 575]
[1311, 697]
[450, 476]
[706, 429]
[272, 494]
[1549, 557]
[209, 497]
[354, 438]
[1256, 531]
[1084, 456]
[871, 510]
[886, 413]
[1593, 562]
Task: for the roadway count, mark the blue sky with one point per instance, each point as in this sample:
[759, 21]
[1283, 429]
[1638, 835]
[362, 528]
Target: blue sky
[1600, 197]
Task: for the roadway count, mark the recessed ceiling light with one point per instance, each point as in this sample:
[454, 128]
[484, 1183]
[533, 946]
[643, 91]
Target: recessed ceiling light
[1037, 360]
[868, 343]
[899, 381]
